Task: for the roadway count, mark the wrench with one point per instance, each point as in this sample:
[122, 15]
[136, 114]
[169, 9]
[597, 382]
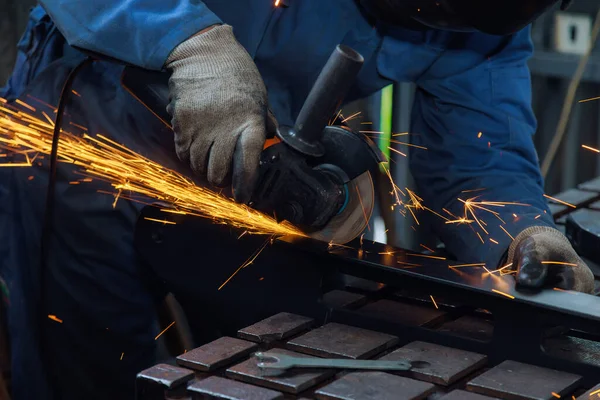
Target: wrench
[282, 362]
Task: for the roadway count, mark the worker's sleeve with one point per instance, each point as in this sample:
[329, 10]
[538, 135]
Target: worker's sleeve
[138, 32]
[473, 113]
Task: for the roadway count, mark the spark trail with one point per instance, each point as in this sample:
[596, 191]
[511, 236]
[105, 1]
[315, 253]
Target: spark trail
[128, 172]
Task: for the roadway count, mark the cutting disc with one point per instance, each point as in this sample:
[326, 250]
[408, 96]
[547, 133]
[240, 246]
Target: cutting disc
[352, 220]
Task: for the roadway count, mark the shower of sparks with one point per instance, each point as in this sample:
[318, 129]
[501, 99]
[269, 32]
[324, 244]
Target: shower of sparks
[164, 330]
[472, 208]
[590, 148]
[560, 201]
[102, 159]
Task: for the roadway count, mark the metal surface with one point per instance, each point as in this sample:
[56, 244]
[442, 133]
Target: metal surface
[464, 395]
[573, 349]
[216, 354]
[153, 383]
[593, 185]
[513, 380]
[408, 314]
[582, 228]
[592, 394]
[445, 365]
[374, 385]
[278, 327]
[220, 388]
[278, 360]
[342, 299]
[342, 341]
[469, 327]
[354, 218]
[290, 382]
[307, 262]
[561, 65]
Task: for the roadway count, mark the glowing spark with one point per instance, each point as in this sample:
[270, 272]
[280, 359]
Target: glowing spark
[164, 330]
[479, 135]
[480, 238]
[590, 99]
[122, 354]
[559, 289]
[505, 231]
[493, 241]
[409, 264]
[408, 144]
[433, 301]
[595, 392]
[537, 216]
[560, 201]
[425, 256]
[353, 116]
[161, 221]
[559, 263]
[556, 395]
[467, 265]
[503, 294]
[473, 190]
[125, 170]
[400, 134]
[396, 151]
[75, 93]
[246, 263]
[372, 132]
[590, 148]
[25, 105]
[471, 207]
[426, 248]
[55, 318]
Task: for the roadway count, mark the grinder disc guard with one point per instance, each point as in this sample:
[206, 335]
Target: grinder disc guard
[352, 220]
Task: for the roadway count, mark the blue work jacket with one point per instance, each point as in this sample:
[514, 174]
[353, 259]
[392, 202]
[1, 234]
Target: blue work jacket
[471, 111]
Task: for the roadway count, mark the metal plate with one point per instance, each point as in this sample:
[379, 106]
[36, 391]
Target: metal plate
[342, 299]
[573, 349]
[522, 381]
[574, 197]
[407, 314]
[292, 381]
[216, 354]
[374, 385]
[446, 365]
[220, 388]
[592, 186]
[156, 382]
[464, 395]
[337, 340]
[278, 327]
[354, 218]
[469, 327]
[592, 394]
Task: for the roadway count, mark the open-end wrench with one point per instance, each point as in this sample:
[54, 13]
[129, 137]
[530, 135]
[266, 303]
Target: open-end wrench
[282, 362]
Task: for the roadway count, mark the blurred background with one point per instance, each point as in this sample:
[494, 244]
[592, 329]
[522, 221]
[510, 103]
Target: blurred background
[562, 40]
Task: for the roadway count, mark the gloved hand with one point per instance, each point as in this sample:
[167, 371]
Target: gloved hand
[563, 268]
[219, 108]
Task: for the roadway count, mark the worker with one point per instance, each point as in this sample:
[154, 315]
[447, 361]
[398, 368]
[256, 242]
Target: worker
[230, 63]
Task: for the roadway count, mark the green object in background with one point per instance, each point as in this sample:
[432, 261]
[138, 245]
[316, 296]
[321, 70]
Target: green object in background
[385, 121]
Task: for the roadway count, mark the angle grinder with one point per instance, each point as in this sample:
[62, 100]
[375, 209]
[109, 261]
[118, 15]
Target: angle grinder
[317, 175]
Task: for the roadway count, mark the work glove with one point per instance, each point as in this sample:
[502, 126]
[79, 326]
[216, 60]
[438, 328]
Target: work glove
[219, 106]
[542, 256]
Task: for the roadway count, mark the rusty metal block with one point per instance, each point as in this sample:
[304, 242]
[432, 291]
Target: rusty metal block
[470, 327]
[216, 354]
[153, 383]
[343, 299]
[374, 385]
[221, 388]
[292, 381]
[464, 395]
[522, 381]
[446, 365]
[408, 314]
[278, 327]
[337, 340]
[592, 394]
